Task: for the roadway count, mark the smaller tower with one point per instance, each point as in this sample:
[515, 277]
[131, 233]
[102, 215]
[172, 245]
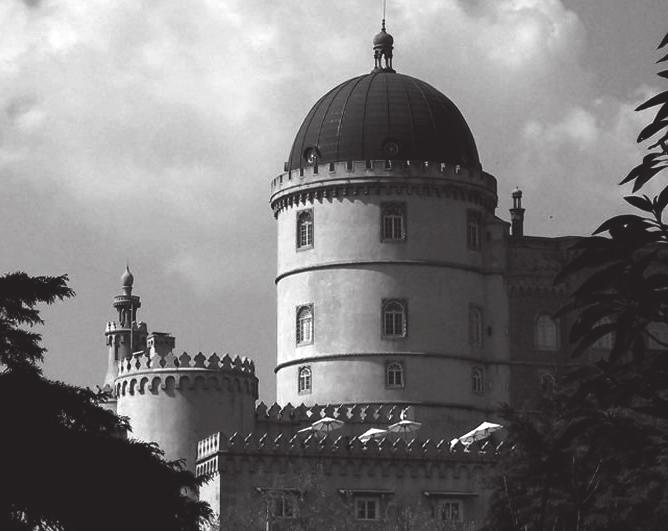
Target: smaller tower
[517, 215]
[127, 335]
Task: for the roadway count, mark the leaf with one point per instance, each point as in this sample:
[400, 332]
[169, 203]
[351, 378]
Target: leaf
[643, 203]
[662, 199]
[645, 175]
[651, 130]
[621, 220]
[664, 73]
[663, 111]
[654, 100]
[663, 42]
[664, 58]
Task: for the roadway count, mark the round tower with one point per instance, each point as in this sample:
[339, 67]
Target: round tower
[390, 257]
[174, 401]
[177, 401]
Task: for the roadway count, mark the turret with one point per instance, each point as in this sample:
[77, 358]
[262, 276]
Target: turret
[178, 400]
[125, 336]
[517, 215]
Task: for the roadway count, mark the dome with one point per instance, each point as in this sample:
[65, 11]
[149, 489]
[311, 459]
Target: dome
[127, 278]
[383, 39]
[384, 116]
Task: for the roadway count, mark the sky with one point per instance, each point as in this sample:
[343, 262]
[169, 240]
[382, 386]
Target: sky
[148, 132]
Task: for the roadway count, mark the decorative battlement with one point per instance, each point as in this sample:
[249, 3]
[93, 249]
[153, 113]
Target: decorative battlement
[353, 178]
[351, 414]
[150, 373]
[143, 361]
[113, 326]
[217, 448]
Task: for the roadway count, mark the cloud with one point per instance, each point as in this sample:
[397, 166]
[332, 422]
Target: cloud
[169, 119]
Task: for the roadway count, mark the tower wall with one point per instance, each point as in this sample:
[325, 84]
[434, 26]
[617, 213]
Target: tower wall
[350, 270]
[175, 402]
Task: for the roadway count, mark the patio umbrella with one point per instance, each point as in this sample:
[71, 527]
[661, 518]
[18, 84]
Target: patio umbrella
[404, 427]
[372, 433]
[483, 431]
[326, 425]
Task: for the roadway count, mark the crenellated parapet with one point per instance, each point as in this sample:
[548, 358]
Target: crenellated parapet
[348, 413]
[147, 372]
[392, 453]
[361, 178]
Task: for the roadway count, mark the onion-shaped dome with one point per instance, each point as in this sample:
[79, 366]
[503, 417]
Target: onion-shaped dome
[127, 278]
[383, 116]
[383, 39]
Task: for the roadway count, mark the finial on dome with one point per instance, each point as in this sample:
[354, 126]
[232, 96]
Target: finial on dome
[383, 43]
[127, 279]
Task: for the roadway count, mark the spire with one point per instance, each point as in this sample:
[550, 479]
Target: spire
[383, 44]
[127, 279]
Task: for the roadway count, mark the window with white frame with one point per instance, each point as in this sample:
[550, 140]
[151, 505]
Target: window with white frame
[473, 229]
[304, 380]
[449, 511]
[478, 380]
[305, 229]
[393, 221]
[304, 325]
[475, 326]
[546, 336]
[367, 508]
[394, 318]
[394, 374]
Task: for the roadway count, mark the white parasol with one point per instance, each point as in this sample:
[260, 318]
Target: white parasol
[483, 431]
[323, 425]
[404, 427]
[372, 433]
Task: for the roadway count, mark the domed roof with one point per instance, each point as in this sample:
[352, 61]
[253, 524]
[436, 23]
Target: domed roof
[383, 39]
[384, 116]
[127, 278]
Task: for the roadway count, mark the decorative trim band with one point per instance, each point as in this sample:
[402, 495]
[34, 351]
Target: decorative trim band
[442, 355]
[344, 264]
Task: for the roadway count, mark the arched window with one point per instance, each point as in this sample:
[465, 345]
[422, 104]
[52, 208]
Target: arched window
[394, 375]
[393, 223]
[394, 318]
[546, 333]
[305, 229]
[477, 380]
[473, 230]
[304, 380]
[475, 326]
[547, 383]
[305, 325]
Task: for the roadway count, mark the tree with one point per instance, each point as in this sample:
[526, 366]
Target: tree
[65, 467]
[594, 455]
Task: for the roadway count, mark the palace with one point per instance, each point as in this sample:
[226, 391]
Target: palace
[404, 304]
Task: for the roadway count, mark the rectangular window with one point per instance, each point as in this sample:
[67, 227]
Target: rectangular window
[394, 318]
[394, 374]
[473, 229]
[283, 506]
[393, 222]
[304, 325]
[450, 511]
[305, 229]
[367, 508]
